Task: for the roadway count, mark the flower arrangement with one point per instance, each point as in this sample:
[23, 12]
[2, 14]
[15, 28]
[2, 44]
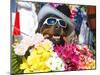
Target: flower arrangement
[75, 57]
[44, 56]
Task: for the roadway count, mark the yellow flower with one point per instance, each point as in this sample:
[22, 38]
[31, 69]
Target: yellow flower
[48, 45]
[24, 66]
[36, 61]
[32, 60]
[27, 71]
[90, 65]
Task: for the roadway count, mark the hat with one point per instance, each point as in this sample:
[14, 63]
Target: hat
[60, 11]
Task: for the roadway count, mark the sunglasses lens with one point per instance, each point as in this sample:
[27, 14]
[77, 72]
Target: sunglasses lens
[62, 23]
[51, 21]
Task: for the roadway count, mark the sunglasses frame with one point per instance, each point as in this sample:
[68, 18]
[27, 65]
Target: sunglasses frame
[57, 21]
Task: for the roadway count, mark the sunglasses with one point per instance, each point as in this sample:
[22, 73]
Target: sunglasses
[53, 21]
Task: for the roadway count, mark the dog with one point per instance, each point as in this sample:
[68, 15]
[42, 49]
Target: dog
[58, 32]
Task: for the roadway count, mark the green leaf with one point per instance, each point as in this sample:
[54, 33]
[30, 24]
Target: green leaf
[15, 63]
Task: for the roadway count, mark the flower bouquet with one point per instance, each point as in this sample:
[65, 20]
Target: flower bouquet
[38, 54]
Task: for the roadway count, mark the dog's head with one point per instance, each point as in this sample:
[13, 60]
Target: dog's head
[55, 27]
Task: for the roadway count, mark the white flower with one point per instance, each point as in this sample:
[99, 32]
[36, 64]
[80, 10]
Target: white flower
[37, 38]
[55, 63]
[27, 42]
[20, 49]
[33, 40]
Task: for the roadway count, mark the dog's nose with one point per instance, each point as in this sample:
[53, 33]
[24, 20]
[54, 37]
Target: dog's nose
[57, 26]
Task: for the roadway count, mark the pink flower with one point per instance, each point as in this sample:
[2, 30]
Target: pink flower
[74, 56]
[68, 55]
[84, 50]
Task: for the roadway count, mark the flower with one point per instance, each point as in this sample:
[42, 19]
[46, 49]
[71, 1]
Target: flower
[90, 65]
[21, 49]
[26, 42]
[45, 57]
[75, 57]
[86, 57]
[68, 55]
[55, 63]
[25, 66]
[39, 54]
[86, 62]
[23, 46]
[37, 38]
[84, 50]
[47, 45]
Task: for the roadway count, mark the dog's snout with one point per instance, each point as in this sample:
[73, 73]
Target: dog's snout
[57, 26]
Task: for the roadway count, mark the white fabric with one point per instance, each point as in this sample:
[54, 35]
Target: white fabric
[84, 32]
[28, 18]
